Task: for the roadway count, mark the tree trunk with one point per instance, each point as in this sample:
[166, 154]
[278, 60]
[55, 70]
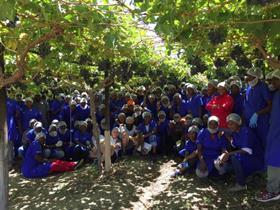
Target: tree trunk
[107, 129]
[3, 141]
[95, 128]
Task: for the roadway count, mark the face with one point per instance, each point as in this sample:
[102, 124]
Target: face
[177, 118]
[29, 104]
[190, 91]
[233, 126]
[276, 83]
[192, 136]
[83, 128]
[161, 117]
[38, 130]
[212, 125]
[250, 78]
[222, 90]
[122, 119]
[177, 100]
[42, 140]
[211, 89]
[235, 89]
[152, 99]
[115, 133]
[147, 119]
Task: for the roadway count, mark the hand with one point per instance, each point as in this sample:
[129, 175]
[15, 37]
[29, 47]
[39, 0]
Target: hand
[254, 121]
[224, 158]
[220, 134]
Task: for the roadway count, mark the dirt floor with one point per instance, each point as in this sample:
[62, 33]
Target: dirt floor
[135, 183]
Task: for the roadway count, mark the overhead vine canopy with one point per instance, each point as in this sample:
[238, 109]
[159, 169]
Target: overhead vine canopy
[63, 42]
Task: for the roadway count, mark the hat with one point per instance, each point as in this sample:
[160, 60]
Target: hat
[52, 126]
[198, 121]
[194, 129]
[32, 121]
[235, 118]
[84, 95]
[276, 74]
[255, 72]
[61, 123]
[55, 122]
[130, 102]
[146, 114]
[214, 83]
[29, 99]
[121, 115]
[38, 125]
[161, 113]
[129, 120]
[213, 118]
[224, 85]
[40, 135]
[73, 103]
[176, 115]
[237, 83]
[83, 123]
[77, 123]
[192, 86]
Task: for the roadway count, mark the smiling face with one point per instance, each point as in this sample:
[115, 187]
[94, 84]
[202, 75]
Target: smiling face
[222, 91]
[233, 126]
[213, 124]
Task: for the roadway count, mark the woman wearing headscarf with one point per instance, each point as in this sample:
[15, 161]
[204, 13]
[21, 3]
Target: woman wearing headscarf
[210, 145]
[221, 105]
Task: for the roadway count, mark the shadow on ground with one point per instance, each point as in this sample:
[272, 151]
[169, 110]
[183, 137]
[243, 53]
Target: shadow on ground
[83, 190]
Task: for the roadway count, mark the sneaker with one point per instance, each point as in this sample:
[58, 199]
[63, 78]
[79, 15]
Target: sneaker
[237, 187]
[267, 196]
[79, 164]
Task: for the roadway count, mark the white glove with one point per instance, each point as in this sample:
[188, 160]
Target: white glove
[59, 144]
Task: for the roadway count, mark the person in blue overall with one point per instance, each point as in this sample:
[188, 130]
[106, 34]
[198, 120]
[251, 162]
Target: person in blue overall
[257, 105]
[151, 104]
[193, 101]
[210, 145]
[189, 152]
[83, 110]
[28, 113]
[147, 132]
[13, 132]
[29, 136]
[53, 146]
[238, 98]
[56, 106]
[65, 136]
[162, 131]
[83, 142]
[165, 106]
[179, 106]
[35, 165]
[273, 147]
[243, 155]
[68, 113]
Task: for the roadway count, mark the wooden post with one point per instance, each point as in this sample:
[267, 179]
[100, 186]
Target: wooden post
[3, 140]
[95, 128]
[107, 129]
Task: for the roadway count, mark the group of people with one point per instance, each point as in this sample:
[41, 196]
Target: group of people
[227, 127]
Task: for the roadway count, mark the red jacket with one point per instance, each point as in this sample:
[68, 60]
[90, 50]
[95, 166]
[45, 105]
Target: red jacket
[221, 106]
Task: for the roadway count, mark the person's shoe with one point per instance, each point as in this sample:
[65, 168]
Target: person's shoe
[267, 196]
[237, 187]
[79, 164]
[176, 173]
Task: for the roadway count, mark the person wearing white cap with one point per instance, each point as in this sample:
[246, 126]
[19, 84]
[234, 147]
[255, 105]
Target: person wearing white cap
[257, 105]
[210, 145]
[273, 147]
[83, 142]
[194, 101]
[268, 79]
[179, 105]
[242, 155]
[28, 112]
[146, 133]
[68, 113]
[188, 152]
[83, 110]
[64, 136]
[128, 135]
[53, 146]
[35, 165]
[221, 105]
[164, 105]
[238, 98]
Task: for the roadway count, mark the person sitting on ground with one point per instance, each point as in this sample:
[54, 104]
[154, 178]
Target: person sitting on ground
[128, 135]
[189, 153]
[35, 165]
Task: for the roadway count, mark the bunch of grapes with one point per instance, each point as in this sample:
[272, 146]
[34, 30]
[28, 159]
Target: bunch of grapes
[197, 65]
[243, 61]
[84, 60]
[236, 52]
[217, 36]
[105, 65]
[219, 63]
[44, 49]
[259, 2]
